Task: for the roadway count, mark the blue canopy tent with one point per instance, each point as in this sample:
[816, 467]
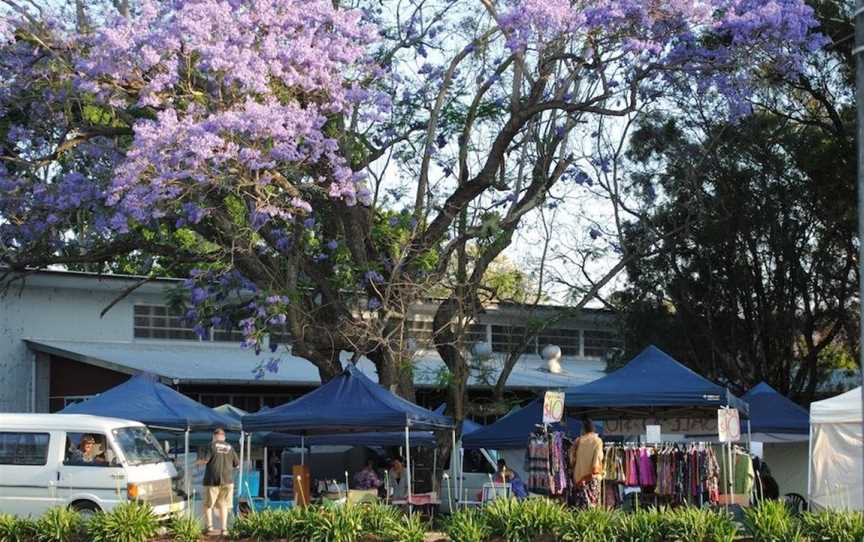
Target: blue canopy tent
[512, 431]
[651, 383]
[773, 417]
[349, 403]
[144, 399]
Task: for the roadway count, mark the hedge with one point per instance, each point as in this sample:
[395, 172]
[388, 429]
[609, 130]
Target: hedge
[532, 520]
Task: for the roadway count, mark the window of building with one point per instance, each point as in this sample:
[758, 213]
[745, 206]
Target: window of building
[476, 333]
[599, 342]
[508, 339]
[161, 322]
[421, 331]
[23, 448]
[567, 339]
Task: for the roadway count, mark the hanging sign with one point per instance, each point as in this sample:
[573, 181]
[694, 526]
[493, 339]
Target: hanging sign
[728, 425]
[553, 406]
[653, 434]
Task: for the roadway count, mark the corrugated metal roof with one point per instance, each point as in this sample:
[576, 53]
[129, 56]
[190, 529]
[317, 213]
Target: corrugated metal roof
[209, 363]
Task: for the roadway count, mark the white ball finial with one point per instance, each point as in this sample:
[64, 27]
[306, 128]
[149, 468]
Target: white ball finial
[552, 354]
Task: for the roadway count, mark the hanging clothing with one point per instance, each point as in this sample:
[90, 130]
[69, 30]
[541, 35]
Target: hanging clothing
[676, 474]
[557, 464]
[537, 465]
[587, 493]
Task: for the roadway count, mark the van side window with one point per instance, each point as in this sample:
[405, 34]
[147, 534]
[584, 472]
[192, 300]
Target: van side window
[86, 449]
[23, 448]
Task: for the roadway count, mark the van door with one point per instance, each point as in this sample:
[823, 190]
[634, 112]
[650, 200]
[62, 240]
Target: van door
[91, 472]
[26, 475]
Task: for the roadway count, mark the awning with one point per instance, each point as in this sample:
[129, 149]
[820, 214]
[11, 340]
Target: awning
[651, 380]
[228, 363]
[350, 402]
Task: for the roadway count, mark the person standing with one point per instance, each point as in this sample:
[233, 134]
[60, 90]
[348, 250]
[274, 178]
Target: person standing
[367, 478]
[220, 460]
[586, 459]
[398, 478]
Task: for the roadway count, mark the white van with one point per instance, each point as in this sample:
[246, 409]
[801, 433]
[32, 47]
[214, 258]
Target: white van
[88, 463]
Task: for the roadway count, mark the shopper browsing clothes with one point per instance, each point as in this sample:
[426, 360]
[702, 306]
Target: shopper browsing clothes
[220, 460]
[586, 461]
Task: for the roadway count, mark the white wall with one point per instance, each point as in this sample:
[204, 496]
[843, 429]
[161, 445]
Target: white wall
[70, 313]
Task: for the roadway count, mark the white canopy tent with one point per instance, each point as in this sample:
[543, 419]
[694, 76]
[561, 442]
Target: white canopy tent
[836, 473]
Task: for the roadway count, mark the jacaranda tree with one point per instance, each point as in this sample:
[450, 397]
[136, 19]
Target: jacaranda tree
[244, 139]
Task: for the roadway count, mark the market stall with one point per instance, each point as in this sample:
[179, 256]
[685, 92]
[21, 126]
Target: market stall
[836, 453]
[353, 405]
[782, 427]
[654, 391]
[144, 399]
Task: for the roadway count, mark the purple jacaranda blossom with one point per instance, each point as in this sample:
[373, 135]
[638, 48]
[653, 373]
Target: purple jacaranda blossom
[373, 304]
[373, 277]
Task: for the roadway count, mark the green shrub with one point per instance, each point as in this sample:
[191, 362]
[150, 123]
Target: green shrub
[591, 526]
[690, 524]
[523, 521]
[128, 522]
[468, 525]
[379, 519]
[833, 526]
[772, 521]
[185, 529]
[337, 524]
[13, 529]
[647, 525]
[59, 524]
[271, 524]
[406, 529]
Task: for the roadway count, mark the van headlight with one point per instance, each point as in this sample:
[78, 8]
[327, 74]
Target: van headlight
[136, 491]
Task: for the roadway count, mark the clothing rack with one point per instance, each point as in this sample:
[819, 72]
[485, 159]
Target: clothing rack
[681, 472]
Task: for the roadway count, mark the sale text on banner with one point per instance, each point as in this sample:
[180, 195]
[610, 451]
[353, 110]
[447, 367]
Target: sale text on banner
[728, 425]
[553, 406]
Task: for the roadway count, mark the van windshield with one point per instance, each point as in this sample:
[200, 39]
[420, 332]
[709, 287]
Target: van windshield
[139, 445]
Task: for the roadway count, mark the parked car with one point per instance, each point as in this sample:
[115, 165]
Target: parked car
[89, 463]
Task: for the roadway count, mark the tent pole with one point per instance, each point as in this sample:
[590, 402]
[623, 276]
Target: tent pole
[461, 469]
[187, 482]
[240, 481]
[266, 472]
[453, 474]
[302, 449]
[435, 483]
[810, 469]
[408, 465]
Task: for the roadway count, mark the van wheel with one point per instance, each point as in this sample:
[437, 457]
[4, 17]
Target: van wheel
[85, 509]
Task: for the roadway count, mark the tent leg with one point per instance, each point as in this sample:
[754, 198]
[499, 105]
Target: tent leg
[240, 482]
[453, 474]
[461, 470]
[408, 465]
[187, 482]
[810, 470]
[302, 449]
[265, 475]
[435, 484]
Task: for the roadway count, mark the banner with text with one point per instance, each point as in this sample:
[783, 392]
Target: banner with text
[553, 406]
